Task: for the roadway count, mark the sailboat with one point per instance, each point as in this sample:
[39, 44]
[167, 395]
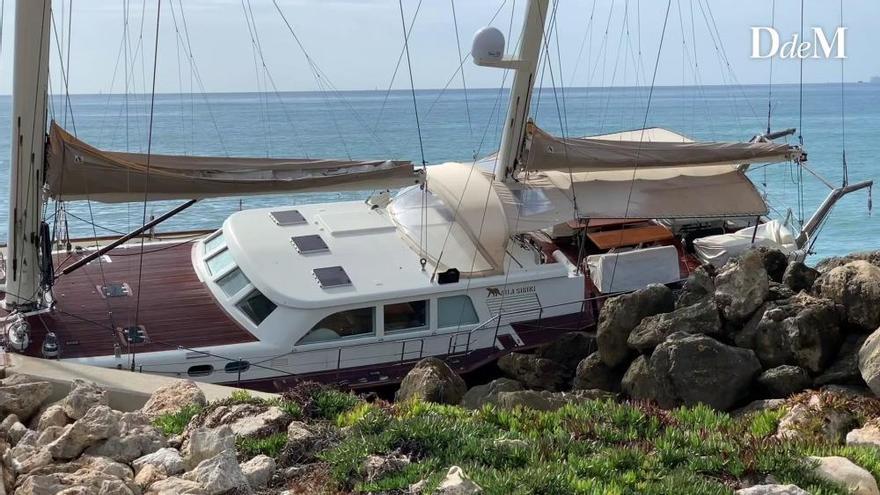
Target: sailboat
[462, 261]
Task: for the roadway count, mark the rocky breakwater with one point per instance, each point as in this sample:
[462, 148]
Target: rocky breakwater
[757, 328]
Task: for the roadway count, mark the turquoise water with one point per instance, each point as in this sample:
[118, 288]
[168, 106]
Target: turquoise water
[456, 126]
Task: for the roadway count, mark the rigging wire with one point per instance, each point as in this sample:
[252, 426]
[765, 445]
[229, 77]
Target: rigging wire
[800, 171]
[467, 106]
[644, 123]
[770, 84]
[381, 111]
[423, 243]
[843, 112]
[147, 172]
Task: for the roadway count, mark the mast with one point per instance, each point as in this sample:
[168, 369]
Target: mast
[524, 67]
[30, 82]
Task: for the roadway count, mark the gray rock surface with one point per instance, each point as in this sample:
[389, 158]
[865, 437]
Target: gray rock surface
[701, 317]
[782, 381]
[432, 380]
[480, 395]
[843, 471]
[99, 423]
[23, 399]
[456, 482]
[173, 397]
[535, 372]
[802, 330]
[869, 361]
[544, 400]
[137, 437]
[742, 286]
[699, 285]
[638, 382]
[204, 443]
[591, 373]
[175, 486]
[219, 475]
[258, 471]
[799, 276]
[620, 314]
[167, 458]
[569, 349]
[694, 369]
[855, 285]
[82, 397]
[844, 369]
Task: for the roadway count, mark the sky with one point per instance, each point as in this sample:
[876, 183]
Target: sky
[246, 45]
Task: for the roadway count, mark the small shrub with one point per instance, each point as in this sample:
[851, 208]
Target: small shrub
[330, 403]
[241, 397]
[271, 446]
[174, 423]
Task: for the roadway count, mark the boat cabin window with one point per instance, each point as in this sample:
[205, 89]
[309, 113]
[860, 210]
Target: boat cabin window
[233, 282]
[200, 370]
[215, 242]
[350, 323]
[453, 311]
[256, 306]
[220, 262]
[412, 315]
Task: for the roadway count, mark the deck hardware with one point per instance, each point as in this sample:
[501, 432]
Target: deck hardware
[114, 289]
[286, 218]
[331, 276]
[309, 244]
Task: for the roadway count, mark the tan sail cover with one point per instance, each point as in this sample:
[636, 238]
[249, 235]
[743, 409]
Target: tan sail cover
[543, 196]
[641, 149]
[77, 170]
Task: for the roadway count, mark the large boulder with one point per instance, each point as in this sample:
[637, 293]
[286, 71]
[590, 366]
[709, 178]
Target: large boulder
[171, 398]
[844, 368]
[82, 397]
[99, 423]
[821, 417]
[697, 369]
[480, 395]
[802, 330]
[855, 285]
[782, 381]
[701, 317]
[868, 435]
[799, 276]
[245, 419]
[828, 264]
[869, 361]
[432, 380]
[742, 286]
[204, 443]
[544, 400]
[569, 349]
[23, 399]
[137, 437]
[854, 478]
[775, 262]
[54, 415]
[175, 486]
[534, 371]
[220, 474]
[620, 314]
[166, 458]
[592, 373]
[638, 381]
[699, 285]
[303, 442]
[258, 471]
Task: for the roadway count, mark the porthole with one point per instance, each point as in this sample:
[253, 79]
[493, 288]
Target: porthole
[237, 367]
[200, 370]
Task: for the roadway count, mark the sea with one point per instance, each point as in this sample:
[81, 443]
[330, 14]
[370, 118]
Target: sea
[437, 126]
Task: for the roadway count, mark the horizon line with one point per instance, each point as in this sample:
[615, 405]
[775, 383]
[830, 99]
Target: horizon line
[869, 82]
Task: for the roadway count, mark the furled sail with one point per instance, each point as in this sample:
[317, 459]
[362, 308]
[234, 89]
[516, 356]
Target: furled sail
[651, 148]
[77, 170]
[606, 183]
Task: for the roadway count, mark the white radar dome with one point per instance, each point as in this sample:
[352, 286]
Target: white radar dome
[488, 46]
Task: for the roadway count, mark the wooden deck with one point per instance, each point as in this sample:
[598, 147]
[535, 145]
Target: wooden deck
[175, 308]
